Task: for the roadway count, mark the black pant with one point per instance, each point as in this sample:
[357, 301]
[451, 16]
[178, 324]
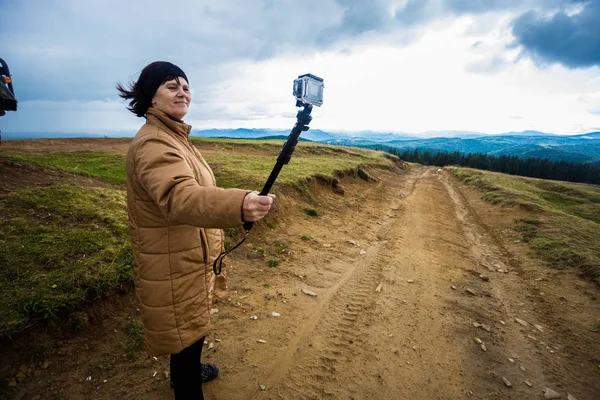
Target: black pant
[186, 375]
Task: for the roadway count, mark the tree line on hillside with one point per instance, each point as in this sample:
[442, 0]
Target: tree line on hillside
[513, 165]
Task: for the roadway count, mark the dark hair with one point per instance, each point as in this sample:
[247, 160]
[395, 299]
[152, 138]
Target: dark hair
[142, 91]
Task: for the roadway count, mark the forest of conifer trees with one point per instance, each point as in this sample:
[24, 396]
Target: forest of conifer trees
[530, 167]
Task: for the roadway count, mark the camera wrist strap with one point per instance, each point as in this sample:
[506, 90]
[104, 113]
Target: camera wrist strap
[218, 264]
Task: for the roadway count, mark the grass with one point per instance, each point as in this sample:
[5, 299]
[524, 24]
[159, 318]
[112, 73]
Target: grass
[280, 247]
[230, 235]
[134, 338]
[252, 171]
[311, 212]
[109, 167]
[565, 230]
[246, 165]
[61, 245]
[258, 251]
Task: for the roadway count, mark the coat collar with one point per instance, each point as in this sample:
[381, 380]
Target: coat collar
[156, 117]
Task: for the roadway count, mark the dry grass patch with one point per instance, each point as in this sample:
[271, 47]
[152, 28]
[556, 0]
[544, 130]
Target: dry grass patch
[566, 229]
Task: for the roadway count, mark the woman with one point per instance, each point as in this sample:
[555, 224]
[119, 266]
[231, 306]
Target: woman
[176, 216]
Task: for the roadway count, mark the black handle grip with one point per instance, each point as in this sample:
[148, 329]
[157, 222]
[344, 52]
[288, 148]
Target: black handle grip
[249, 224]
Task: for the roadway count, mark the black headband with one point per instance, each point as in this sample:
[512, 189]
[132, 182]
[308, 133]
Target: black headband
[158, 74]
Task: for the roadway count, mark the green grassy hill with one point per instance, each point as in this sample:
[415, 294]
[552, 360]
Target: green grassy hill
[63, 244]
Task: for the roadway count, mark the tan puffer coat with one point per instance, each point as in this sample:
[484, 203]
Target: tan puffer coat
[174, 207]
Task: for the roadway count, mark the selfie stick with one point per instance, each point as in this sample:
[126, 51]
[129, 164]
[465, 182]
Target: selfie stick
[303, 119]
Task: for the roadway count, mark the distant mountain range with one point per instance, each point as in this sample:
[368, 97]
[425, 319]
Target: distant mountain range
[584, 148]
[317, 135]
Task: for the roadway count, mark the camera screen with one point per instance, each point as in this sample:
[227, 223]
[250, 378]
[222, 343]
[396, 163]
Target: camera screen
[314, 90]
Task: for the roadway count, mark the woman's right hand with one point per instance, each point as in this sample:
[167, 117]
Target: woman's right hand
[255, 207]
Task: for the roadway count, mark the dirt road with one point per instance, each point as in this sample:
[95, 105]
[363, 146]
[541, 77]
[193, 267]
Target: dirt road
[423, 292]
[440, 269]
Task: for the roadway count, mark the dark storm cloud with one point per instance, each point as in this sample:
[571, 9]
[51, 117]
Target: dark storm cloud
[570, 40]
[547, 31]
[361, 16]
[414, 12]
[355, 18]
[480, 6]
[483, 6]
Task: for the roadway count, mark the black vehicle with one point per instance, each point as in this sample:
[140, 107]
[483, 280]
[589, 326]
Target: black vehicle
[8, 102]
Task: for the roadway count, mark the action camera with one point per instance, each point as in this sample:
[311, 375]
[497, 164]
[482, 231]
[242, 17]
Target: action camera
[308, 89]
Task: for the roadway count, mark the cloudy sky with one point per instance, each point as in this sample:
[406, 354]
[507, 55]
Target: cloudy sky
[389, 65]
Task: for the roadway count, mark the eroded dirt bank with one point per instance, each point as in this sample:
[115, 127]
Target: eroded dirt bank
[414, 277]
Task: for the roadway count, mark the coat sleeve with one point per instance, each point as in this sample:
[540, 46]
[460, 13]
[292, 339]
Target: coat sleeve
[169, 180]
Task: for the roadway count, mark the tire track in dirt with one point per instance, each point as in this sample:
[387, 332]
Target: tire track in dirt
[492, 273]
[317, 354]
[337, 358]
[421, 357]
